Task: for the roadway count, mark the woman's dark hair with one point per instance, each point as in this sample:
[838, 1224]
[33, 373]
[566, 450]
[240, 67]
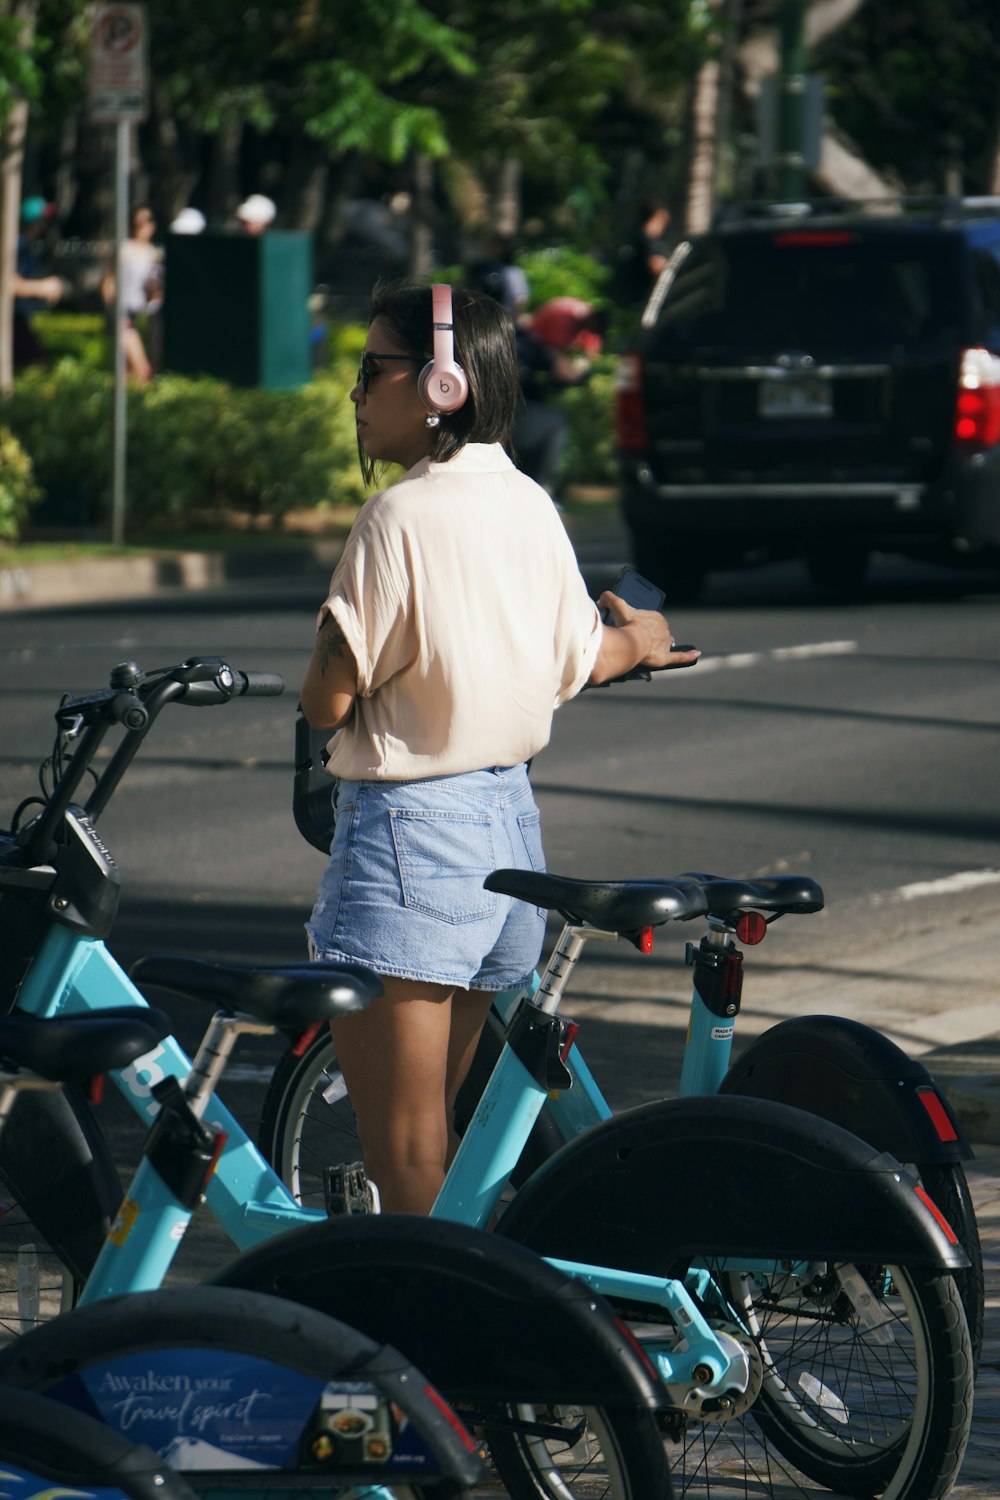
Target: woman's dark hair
[486, 349]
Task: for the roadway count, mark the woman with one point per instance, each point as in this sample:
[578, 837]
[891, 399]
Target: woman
[142, 291]
[456, 622]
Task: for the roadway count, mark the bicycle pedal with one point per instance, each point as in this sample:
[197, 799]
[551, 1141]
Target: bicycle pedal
[346, 1189]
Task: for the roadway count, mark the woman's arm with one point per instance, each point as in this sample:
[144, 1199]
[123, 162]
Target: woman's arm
[639, 637]
[331, 681]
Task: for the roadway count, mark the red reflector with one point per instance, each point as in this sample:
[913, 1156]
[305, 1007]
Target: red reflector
[751, 928]
[940, 1118]
[95, 1093]
[646, 940]
[455, 1422]
[570, 1029]
[217, 1149]
[307, 1038]
[815, 237]
[634, 1344]
[928, 1202]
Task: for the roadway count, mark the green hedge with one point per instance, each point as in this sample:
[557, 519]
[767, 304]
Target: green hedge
[195, 446]
[198, 447]
[18, 490]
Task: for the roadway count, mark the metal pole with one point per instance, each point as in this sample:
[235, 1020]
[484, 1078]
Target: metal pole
[119, 428]
[790, 156]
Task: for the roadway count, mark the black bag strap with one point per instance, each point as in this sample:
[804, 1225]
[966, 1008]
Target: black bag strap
[312, 788]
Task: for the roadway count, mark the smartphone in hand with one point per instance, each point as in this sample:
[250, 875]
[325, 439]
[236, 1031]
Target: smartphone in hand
[641, 594]
[635, 590]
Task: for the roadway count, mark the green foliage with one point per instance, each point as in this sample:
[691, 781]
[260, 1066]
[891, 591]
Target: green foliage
[196, 448]
[561, 271]
[81, 336]
[18, 490]
[590, 413]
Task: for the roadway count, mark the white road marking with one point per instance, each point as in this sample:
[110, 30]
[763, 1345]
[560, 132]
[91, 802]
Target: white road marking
[737, 661]
[948, 885]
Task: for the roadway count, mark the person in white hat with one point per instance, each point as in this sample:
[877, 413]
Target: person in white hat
[188, 221]
[256, 213]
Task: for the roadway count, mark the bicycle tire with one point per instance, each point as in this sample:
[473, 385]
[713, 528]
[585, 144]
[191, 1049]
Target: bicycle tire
[308, 1123]
[948, 1188]
[58, 1193]
[42, 1439]
[226, 1385]
[34, 1283]
[597, 1457]
[905, 1333]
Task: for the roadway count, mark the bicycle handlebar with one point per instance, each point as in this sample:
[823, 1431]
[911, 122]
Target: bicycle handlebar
[133, 698]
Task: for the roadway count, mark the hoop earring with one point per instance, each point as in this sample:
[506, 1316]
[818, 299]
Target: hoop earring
[433, 420]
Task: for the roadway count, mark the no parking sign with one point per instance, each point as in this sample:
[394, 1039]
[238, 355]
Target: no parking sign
[118, 63]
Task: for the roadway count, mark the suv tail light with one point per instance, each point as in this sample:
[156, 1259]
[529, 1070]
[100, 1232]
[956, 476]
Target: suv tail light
[977, 410]
[631, 428]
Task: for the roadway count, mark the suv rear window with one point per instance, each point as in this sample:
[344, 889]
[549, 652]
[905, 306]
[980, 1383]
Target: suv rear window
[801, 288]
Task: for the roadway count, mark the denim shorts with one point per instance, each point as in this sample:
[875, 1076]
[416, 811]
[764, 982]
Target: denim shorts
[403, 891]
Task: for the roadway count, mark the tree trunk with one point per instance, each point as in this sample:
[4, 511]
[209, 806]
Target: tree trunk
[422, 215]
[701, 181]
[507, 202]
[12, 136]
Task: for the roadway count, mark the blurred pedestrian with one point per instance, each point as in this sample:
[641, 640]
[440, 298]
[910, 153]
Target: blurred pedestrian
[188, 221]
[32, 290]
[141, 292]
[644, 255]
[256, 214]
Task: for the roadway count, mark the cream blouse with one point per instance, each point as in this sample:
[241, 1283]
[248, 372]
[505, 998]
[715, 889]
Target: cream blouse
[460, 596]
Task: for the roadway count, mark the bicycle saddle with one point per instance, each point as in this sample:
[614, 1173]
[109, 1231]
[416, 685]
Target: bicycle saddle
[781, 894]
[71, 1049]
[624, 906]
[287, 996]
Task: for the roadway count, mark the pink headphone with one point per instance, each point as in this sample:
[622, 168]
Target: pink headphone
[442, 384]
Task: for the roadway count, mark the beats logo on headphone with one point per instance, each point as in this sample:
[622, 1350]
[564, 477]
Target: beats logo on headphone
[442, 385]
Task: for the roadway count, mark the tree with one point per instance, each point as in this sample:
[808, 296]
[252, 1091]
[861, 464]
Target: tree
[18, 80]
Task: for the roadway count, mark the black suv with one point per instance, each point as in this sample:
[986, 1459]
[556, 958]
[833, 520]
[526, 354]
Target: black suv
[817, 380]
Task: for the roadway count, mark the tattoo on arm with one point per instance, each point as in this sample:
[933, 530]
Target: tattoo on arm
[331, 644]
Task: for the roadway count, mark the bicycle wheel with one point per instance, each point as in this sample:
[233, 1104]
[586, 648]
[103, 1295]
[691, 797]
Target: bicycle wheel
[58, 1192]
[862, 1379]
[34, 1283]
[947, 1186]
[232, 1387]
[308, 1122]
[574, 1453]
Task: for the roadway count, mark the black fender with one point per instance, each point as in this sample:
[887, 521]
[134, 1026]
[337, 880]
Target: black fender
[485, 1319]
[56, 1163]
[853, 1075]
[716, 1175]
[86, 1357]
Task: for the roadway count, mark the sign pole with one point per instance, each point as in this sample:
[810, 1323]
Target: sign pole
[119, 421]
[118, 87]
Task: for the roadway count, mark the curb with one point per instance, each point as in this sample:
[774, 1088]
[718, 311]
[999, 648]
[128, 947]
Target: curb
[117, 579]
[113, 580]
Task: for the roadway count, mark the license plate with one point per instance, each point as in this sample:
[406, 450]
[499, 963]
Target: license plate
[808, 396]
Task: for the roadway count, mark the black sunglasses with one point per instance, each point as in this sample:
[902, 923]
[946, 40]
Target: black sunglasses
[365, 371]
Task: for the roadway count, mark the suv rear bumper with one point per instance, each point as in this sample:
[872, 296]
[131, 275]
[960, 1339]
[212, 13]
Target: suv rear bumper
[789, 518]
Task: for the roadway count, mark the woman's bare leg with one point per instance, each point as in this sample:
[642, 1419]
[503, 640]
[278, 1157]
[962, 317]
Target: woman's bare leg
[469, 1009]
